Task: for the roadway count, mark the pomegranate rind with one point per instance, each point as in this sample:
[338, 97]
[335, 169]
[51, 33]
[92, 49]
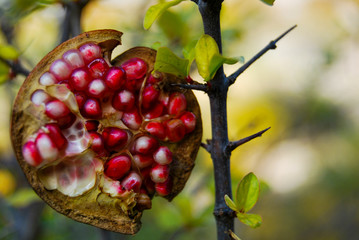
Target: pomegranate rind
[27, 119]
[184, 152]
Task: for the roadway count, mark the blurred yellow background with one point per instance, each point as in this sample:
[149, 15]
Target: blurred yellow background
[306, 91]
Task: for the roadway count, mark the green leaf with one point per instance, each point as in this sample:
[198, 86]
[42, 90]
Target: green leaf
[217, 61]
[189, 53]
[208, 58]
[205, 49]
[247, 193]
[156, 45]
[4, 72]
[252, 220]
[230, 203]
[23, 197]
[269, 2]
[8, 52]
[168, 62]
[233, 235]
[157, 10]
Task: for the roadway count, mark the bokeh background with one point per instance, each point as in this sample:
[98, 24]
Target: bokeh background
[306, 91]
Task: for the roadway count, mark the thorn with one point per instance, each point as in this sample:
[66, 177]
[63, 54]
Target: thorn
[235, 144]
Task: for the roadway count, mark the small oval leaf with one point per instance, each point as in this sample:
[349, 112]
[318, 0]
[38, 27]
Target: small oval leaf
[252, 220]
[8, 52]
[268, 2]
[205, 49]
[157, 10]
[216, 62]
[230, 203]
[168, 62]
[247, 193]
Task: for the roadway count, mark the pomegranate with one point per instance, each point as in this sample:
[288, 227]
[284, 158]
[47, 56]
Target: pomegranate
[98, 137]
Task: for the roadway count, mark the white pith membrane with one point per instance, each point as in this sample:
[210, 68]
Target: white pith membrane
[75, 168]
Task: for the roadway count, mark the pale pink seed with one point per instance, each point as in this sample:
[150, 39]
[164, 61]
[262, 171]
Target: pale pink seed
[40, 97]
[56, 109]
[132, 181]
[79, 79]
[163, 155]
[73, 58]
[47, 79]
[145, 145]
[60, 69]
[123, 100]
[132, 119]
[142, 161]
[96, 88]
[31, 154]
[46, 147]
[90, 51]
[159, 173]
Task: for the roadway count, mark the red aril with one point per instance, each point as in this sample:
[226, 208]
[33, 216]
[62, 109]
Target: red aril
[156, 129]
[135, 68]
[98, 68]
[115, 78]
[31, 154]
[114, 138]
[92, 108]
[118, 166]
[175, 130]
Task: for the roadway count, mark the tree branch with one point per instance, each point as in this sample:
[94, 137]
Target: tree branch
[234, 145]
[207, 146]
[199, 87]
[217, 93]
[16, 67]
[272, 45]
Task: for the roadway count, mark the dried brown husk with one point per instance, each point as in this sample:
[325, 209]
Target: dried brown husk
[94, 207]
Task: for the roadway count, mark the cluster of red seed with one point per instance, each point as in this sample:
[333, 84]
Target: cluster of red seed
[143, 118]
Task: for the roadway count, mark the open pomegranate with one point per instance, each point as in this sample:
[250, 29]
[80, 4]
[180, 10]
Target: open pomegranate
[98, 138]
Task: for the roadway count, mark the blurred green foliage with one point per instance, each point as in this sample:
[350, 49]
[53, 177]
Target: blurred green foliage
[306, 91]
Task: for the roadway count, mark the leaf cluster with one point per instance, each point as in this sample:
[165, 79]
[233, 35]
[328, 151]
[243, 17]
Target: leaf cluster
[246, 197]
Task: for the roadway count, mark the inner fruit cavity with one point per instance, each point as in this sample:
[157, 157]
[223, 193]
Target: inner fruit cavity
[109, 127]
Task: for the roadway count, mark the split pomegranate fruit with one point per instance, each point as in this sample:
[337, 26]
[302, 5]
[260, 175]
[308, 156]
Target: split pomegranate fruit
[98, 138]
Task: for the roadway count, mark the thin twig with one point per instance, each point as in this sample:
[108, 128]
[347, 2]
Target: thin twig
[16, 67]
[272, 45]
[235, 144]
[207, 147]
[199, 87]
